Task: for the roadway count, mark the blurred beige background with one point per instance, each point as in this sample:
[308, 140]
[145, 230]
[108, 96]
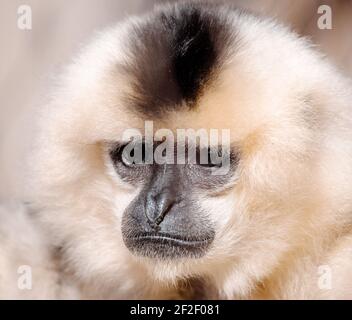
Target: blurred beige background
[31, 59]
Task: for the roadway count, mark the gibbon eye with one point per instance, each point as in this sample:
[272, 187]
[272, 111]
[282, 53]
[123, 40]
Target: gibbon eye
[129, 162]
[210, 165]
[129, 154]
[119, 156]
[212, 157]
[127, 157]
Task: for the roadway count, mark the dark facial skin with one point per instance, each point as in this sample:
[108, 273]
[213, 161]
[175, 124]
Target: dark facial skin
[175, 54]
[164, 221]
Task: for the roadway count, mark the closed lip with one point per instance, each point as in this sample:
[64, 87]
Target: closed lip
[171, 239]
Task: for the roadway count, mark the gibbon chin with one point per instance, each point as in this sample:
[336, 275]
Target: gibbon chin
[276, 225]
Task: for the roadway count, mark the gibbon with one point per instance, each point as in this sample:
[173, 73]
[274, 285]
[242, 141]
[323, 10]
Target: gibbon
[276, 225]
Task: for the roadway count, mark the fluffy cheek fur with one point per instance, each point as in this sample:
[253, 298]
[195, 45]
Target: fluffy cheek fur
[259, 219]
[253, 219]
[283, 192]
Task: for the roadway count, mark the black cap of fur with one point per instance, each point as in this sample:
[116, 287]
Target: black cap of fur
[175, 52]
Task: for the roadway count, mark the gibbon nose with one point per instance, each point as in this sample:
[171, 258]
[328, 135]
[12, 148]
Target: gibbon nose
[158, 205]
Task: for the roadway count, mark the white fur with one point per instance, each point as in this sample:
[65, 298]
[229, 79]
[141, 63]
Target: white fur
[288, 213]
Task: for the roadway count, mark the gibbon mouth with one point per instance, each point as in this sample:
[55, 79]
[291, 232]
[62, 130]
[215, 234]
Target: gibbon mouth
[163, 245]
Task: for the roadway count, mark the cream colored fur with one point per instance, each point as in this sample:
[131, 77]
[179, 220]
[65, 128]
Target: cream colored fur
[288, 213]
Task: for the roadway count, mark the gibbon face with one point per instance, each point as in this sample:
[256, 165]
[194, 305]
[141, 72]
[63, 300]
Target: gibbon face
[184, 66]
[173, 56]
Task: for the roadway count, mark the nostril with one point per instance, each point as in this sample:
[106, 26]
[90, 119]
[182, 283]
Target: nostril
[157, 206]
[159, 220]
[163, 211]
[150, 208]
